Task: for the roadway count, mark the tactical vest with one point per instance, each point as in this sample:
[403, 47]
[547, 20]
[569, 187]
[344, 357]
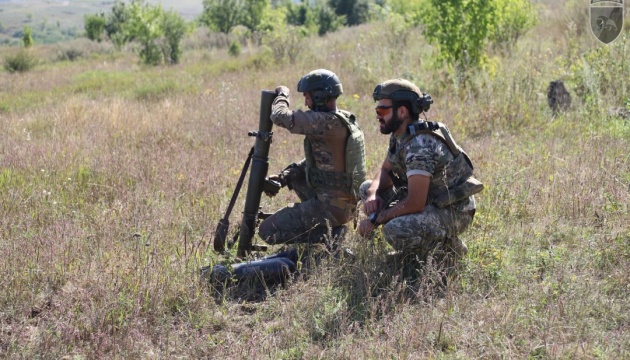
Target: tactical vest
[355, 173]
[458, 181]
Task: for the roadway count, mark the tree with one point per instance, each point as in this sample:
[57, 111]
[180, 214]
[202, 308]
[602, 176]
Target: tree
[27, 38]
[460, 28]
[94, 26]
[253, 13]
[315, 17]
[174, 30]
[145, 26]
[356, 11]
[115, 21]
[299, 14]
[222, 15]
[513, 20]
[328, 21]
[158, 32]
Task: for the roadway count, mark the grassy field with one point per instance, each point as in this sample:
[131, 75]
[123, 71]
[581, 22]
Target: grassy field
[113, 177]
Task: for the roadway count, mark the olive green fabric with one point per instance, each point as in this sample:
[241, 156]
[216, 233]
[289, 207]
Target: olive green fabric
[355, 173]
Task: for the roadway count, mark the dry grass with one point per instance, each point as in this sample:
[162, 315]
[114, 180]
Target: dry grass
[113, 177]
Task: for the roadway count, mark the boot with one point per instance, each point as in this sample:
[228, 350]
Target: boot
[455, 244]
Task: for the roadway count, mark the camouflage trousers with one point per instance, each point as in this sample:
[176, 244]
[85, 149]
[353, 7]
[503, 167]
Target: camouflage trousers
[309, 221]
[422, 232]
[305, 222]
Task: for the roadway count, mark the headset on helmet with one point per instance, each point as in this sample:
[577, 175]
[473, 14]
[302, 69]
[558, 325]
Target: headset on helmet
[322, 84]
[403, 90]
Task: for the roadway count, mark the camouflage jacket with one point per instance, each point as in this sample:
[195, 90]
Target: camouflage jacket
[426, 154]
[326, 135]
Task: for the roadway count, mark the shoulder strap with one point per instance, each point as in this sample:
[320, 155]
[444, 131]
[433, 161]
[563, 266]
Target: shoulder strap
[346, 116]
[434, 128]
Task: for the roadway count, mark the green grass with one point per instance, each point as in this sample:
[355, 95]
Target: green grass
[113, 177]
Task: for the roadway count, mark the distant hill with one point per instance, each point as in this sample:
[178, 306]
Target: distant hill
[58, 20]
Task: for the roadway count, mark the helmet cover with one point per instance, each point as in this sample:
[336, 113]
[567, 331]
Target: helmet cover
[403, 90]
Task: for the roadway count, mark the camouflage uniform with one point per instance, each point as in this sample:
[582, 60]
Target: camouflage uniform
[321, 209]
[422, 154]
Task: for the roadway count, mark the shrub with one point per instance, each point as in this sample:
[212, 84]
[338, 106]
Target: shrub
[355, 11]
[174, 30]
[460, 28]
[235, 49]
[328, 21]
[69, 54]
[94, 26]
[221, 15]
[286, 43]
[27, 37]
[115, 22]
[515, 17]
[21, 62]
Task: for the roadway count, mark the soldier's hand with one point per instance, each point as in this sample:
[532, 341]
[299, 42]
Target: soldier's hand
[365, 227]
[372, 204]
[272, 186]
[283, 90]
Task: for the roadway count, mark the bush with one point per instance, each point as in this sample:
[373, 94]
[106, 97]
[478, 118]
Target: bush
[286, 43]
[27, 38]
[23, 61]
[235, 49]
[69, 54]
[460, 28]
[328, 21]
[174, 30]
[355, 11]
[95, 26]
[221, 15]
[515, 17]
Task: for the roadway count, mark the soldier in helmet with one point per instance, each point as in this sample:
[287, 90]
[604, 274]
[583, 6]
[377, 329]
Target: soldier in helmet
[422, 195]
[327, 180]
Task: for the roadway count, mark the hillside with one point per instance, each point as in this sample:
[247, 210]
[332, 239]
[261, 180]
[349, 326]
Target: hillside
[53, 21]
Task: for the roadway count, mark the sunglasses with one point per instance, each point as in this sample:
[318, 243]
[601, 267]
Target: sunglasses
[383, 110]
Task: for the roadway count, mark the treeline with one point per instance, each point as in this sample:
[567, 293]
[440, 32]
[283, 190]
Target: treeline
[461, 30]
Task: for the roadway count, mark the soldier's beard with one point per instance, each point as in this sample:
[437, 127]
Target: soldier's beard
[391, 126]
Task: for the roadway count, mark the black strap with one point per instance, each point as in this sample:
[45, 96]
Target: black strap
[239, 184]
[418, 127]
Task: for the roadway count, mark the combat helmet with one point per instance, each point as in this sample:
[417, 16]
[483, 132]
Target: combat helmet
[322, 84]
[403, 90]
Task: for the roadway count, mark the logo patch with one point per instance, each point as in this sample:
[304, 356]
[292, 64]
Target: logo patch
[606, 18]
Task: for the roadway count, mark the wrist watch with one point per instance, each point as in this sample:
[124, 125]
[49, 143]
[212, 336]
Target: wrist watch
[373, 217]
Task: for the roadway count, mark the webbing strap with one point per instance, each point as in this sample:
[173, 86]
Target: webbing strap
[434, 128]
[420, 127]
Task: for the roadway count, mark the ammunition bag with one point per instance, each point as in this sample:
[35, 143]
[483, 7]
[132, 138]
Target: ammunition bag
[460, 192]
